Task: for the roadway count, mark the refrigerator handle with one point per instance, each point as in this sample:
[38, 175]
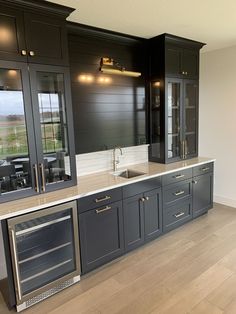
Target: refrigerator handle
[16, 269]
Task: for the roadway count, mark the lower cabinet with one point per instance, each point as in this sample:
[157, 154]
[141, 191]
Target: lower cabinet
[176, 215]
[101, 235]
[202, 194]
[142, 218]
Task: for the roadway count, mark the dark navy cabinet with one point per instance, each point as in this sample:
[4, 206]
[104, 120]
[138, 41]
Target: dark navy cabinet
[142, 218]
[173, 110]
[202, 194]
[101, 235]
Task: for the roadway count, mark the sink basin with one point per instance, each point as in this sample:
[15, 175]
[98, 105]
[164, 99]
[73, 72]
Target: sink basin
[127, 173]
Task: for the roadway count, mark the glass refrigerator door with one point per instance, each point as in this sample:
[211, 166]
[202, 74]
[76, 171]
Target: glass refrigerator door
[44, 248]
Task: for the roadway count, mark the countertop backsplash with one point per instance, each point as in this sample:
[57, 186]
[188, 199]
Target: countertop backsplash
[102, 161]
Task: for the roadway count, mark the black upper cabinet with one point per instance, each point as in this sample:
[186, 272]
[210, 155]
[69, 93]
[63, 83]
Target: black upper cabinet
[51, 48]
[180, 62]
[34, 37]
[12, 38]
[173, 110]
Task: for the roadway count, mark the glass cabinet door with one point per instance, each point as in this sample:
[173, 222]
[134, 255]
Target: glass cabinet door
[190, 118]
[53, 122]
[155, 119]
[17, 145]
[173, 113]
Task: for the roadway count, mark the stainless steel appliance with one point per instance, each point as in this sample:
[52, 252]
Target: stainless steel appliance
[45, 253]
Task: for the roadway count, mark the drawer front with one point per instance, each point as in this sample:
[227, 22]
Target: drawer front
[175, 216]
[141, 187]
[176, 192]
[177, 176]
[99, 199]
[202, 169]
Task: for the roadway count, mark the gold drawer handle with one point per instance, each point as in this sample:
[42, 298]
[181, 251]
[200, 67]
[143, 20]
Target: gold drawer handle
[179, 193]
[205, 168]
[102, 199]
[178, 176]
[99, 211]
[179, 215]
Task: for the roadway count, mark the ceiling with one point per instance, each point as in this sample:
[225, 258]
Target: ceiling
[209, 21]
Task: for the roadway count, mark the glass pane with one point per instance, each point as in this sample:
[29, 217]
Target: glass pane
[173, 119]
[52, 109]
[14, 152]
[45, 250]
[156, 119]
[190, 117]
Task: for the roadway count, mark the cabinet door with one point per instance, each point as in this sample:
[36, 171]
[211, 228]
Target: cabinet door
[17, 142]
[133, 222]
[12, 41]
[190, 118]
[202, 194]
[50, 88]
[152, 214]
[190, 63]
[173, 119]
[101, 235]
[173, 57]
[46, 39]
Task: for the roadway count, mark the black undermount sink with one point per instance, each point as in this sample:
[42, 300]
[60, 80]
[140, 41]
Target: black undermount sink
[127, 173]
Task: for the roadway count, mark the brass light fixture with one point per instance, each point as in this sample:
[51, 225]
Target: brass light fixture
[109, 66]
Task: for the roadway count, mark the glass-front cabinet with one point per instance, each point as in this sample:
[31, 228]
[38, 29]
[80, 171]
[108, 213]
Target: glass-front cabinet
[173, 120]
[36, 135]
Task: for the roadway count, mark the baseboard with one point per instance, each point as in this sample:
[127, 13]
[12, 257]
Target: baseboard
[225, 201]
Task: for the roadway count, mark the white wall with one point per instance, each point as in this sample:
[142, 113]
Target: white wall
[218, 119]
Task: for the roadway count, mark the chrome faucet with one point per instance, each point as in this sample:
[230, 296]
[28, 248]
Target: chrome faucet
[115, 161]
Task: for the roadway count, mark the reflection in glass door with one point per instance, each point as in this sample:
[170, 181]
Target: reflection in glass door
[173, 117]
[156, 119]
[51, 112]
[15, 115]
[190, 117]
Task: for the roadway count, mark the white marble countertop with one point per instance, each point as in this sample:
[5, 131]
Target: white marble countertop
[94, 183]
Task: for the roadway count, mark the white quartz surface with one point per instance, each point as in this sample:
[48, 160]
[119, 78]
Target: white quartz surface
[94, 183]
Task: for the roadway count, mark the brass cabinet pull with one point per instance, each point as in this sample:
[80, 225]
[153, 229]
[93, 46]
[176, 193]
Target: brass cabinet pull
[36, 178]
[32, 53]
[179, 215]
[23, 52]
[178, 176]
[205, 168]
[102, 199]
[16, 269]
[41, 167]
[101, 210]
[142, 199]
[179, 193]
[146, 198]
[194, 181]
[183, 72]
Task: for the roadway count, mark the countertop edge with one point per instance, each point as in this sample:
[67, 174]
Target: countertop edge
[77, 196]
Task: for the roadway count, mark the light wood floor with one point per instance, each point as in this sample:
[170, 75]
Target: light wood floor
[190, 270]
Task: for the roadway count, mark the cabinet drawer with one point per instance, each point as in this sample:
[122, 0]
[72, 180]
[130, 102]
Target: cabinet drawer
[177, 215]
[175, 192]
[141, 187]
[203, 169]
[99, 199]
[177, 176]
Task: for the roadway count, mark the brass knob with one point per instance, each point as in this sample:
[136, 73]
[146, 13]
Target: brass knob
[183, 72]
[194, 181]
[146, 198]
[23, 52]
[142, 199]
[186, 73]
[32, 53]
